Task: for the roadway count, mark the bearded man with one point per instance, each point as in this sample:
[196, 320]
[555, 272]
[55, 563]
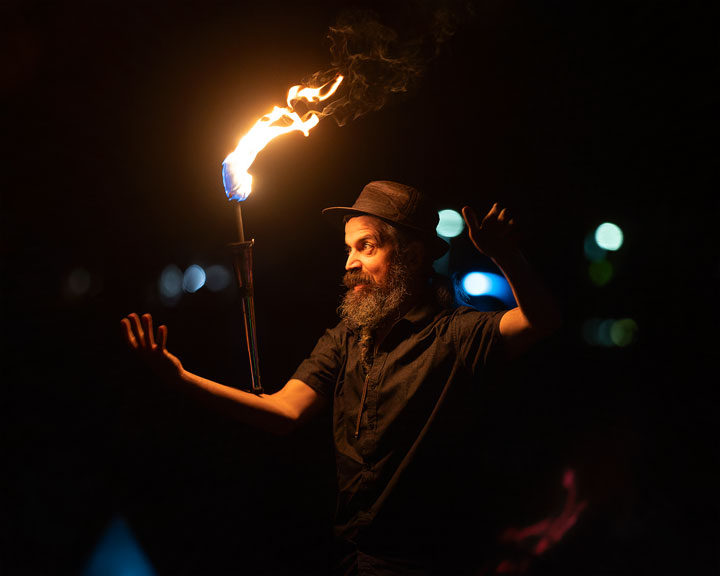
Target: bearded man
[401, 372]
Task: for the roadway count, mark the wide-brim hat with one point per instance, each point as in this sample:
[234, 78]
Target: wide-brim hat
[399, 205]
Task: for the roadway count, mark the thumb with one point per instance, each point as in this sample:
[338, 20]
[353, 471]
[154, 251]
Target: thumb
[470, 217]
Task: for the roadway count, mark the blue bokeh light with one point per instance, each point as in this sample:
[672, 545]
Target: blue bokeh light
[118, 554]
[170, 283]
[476, 284]
[193, 279]
[593, 252]
[218, 278]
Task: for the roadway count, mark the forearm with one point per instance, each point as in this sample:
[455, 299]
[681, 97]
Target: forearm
[536, 304]
[265, 412]
[278, 413]
[537, 314]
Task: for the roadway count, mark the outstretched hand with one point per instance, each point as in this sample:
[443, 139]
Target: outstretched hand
[493, 235]
[139, 336]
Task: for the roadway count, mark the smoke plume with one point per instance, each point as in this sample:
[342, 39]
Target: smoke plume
[376, 61]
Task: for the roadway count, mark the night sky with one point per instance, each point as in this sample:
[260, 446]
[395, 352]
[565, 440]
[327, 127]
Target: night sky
[117, 117]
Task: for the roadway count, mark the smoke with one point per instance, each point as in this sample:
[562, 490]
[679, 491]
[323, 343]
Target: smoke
[377, 62]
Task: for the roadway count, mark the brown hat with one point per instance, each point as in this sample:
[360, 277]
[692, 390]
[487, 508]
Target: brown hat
[397, 204]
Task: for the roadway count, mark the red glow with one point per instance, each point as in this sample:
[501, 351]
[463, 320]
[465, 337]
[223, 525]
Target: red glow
[537, 538]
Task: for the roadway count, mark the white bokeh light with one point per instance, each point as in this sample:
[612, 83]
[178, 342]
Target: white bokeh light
[477, 284]
[609, 236]
[451, 224]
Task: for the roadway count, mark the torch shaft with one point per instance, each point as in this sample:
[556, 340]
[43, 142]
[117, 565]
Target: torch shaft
[238, 213]
[248, 304]
[243, 270]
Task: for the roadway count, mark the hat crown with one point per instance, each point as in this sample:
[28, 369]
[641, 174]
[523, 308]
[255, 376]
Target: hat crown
[397, 203]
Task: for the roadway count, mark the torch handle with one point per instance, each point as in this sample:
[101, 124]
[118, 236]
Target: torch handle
[248, 304]
[244, 274]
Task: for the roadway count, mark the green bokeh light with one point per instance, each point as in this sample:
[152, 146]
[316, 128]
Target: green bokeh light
[609, 332]
[623, 332]
[601, 272]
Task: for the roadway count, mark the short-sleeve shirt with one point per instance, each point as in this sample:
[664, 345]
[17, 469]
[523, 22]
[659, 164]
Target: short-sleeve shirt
[397, 469]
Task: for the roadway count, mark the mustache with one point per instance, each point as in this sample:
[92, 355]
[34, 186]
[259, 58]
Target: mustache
[354, 278]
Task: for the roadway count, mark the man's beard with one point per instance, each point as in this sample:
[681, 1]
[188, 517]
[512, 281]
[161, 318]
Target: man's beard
[369, 306]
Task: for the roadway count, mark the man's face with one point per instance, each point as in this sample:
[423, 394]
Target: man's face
[369, 259]
[377, 284]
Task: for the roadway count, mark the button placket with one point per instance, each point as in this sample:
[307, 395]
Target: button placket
[369, 399]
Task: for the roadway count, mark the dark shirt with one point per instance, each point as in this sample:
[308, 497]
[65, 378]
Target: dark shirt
[398, 472]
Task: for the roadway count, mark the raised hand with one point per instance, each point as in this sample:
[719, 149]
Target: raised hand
[492, 236]
[139, 335]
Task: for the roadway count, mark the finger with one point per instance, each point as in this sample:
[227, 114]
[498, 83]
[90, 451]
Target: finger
[503, 214]
[162, 337]
[491, 215]
[149, 336]
[127, 333]
[134, 320]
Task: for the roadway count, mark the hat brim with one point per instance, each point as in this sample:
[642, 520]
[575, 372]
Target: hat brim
[337, 215]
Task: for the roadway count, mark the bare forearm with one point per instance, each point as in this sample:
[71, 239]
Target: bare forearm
[263, 411]
[536, 315]
[535, 302]
[278, 413]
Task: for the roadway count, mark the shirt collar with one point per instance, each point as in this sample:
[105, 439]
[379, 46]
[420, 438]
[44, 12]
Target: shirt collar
[420, 314]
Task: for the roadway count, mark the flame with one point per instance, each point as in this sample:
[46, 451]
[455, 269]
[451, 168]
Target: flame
[237, 181]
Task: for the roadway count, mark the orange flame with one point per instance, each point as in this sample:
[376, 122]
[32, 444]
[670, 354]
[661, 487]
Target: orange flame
[237, 181]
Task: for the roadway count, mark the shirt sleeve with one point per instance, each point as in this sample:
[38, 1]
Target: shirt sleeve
[477, 337]
[321, 369]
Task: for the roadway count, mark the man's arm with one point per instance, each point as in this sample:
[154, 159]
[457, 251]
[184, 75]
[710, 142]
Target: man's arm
[536, 315]
[278, 413]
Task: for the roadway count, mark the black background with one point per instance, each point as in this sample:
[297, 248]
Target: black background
[116, 118]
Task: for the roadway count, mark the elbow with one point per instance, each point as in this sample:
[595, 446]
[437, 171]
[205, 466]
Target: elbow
[290, 407]
[274, 418]
[521, 333]
[284, 426]
[286, 421]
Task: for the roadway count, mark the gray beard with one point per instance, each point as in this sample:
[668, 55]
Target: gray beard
[367, 308]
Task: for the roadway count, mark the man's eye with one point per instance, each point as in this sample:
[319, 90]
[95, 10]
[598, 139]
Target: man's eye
[368, 246]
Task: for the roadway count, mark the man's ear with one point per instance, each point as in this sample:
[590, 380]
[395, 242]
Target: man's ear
[415, 255]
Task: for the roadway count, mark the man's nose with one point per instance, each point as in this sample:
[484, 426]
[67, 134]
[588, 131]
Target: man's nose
[352, 262]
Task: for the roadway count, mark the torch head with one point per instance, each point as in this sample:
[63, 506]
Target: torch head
[237, 183]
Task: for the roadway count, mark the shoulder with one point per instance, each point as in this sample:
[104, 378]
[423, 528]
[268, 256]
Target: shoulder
[319, 370]
[464, 321]
[333, 340]
[467, 315]
[338, 333]
[452, 324]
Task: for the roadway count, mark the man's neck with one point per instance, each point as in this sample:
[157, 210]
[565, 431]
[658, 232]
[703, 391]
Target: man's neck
[387, 324]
